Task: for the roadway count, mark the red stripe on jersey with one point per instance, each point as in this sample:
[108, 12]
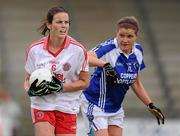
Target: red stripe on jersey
[74, 42]
[41, 41]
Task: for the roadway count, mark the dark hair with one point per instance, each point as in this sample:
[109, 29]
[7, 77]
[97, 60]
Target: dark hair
[128, 22]
[49, 17]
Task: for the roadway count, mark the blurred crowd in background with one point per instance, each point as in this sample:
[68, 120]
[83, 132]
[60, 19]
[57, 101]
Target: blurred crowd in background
[9, 114]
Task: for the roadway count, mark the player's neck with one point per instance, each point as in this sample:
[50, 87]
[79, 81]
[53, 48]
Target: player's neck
[56, 43]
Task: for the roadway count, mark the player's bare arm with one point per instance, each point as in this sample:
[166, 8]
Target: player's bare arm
[80, 84]
[26, 81]
[140, 91]
[94, 61]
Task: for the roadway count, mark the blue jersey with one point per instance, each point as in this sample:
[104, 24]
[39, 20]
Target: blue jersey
[109, 96]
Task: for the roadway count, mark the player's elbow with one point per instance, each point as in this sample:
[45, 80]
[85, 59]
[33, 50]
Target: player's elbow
[85, 84]
[84, 78]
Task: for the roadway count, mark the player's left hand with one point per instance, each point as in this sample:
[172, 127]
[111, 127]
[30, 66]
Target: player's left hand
[157, 113]
[55, 85]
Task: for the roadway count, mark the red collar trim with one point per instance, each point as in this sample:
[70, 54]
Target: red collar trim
[64, 45]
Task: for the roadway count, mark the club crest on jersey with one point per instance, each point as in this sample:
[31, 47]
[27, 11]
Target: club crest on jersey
[136, 66]
[40, 115]
[66, 66]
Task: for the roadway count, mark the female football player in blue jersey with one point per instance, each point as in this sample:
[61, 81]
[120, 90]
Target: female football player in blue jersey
[118, 63]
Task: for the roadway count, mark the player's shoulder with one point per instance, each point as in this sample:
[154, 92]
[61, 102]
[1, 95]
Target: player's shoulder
[108, 44]
[109, 41]
[138, 47]
[36, 44]
[76, 44]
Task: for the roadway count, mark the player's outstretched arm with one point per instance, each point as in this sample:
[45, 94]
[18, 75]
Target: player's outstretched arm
[110, 72]
[94, 61]
[142, 94]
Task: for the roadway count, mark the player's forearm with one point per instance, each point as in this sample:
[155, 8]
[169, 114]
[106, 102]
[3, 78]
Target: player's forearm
[75, 86]
[80, 84]
[143, 96]
[93, 62]
[140, 91]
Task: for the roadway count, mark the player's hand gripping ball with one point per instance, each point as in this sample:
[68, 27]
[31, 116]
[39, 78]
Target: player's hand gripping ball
[43, 82]
[38, 82]
[41, 75]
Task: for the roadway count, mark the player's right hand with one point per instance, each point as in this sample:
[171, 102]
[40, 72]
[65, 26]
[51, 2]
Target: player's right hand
[111, 74]
[38, 90]
[157, 113]
[109, 70]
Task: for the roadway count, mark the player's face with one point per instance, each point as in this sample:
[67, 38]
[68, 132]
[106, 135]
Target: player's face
[126, 39]
[60, 25]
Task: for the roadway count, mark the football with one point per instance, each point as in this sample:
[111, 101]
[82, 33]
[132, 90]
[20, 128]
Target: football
[40, 74]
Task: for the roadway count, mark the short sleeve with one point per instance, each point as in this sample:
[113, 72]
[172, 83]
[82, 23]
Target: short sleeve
[140, 56]
[83, 62]
[29, 64]
[104, 48]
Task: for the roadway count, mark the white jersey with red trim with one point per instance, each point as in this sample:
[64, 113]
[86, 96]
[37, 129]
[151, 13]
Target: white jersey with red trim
[66, 64]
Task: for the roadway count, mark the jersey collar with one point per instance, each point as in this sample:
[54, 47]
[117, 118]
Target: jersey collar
[120, 51]
[65, 44]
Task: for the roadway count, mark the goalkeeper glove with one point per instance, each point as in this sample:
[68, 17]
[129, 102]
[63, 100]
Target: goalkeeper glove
[45, 87]
[109, 70]
[38, 90]
[111, 74]
[55, 85]
[156, 112]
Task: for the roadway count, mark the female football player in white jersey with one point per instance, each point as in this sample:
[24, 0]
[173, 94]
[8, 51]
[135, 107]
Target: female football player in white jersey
[114, 74]
[55, 104]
